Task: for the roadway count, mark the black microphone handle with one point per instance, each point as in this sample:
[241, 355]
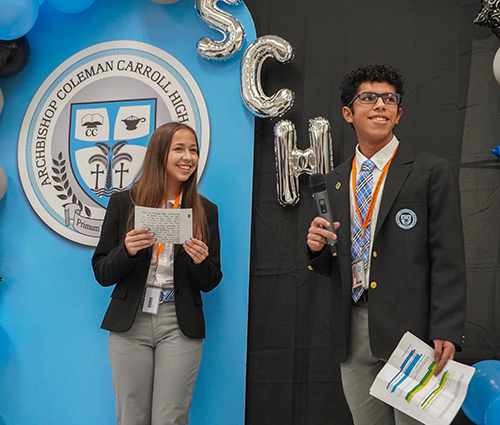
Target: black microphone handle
[323, 206]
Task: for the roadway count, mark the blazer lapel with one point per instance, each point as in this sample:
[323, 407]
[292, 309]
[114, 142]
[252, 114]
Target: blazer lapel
[396, 176]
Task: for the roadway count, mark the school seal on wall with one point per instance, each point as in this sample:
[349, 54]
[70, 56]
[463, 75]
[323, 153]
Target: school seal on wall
[85, 132]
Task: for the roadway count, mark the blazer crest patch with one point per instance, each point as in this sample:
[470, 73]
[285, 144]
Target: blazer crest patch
[406, 219]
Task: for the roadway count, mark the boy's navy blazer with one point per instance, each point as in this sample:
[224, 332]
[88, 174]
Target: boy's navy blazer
[417, 274]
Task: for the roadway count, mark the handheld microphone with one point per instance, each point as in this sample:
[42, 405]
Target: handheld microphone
[320, 195]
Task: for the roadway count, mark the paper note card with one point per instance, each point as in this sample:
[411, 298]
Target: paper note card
[168, 225]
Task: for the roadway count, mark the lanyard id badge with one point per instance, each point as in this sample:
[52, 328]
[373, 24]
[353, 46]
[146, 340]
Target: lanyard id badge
[151, 300]
[358, 275]
[153, 287]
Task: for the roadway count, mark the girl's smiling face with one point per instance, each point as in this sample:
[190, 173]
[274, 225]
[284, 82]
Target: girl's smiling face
[182, 157]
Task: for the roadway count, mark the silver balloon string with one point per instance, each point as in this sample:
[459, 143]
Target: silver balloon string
[230, 28]
[292, 162]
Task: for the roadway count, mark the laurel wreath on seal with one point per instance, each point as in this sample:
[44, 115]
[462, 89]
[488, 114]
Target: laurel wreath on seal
[59, 168]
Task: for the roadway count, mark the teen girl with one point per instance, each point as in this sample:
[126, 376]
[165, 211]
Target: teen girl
[155, 350]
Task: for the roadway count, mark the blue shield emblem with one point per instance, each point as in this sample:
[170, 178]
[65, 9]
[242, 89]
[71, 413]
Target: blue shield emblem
[108, 142]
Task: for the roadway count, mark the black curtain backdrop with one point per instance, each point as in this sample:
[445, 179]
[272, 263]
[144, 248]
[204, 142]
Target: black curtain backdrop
[450, 109]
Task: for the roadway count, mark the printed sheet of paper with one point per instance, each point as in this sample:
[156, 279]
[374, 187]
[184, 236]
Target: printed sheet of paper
[407, 383]
[168, 225]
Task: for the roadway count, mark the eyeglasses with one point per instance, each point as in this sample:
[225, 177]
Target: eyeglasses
[367, 98]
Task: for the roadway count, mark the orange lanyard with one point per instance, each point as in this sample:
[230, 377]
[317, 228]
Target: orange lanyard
[159, 246]
[371, 207]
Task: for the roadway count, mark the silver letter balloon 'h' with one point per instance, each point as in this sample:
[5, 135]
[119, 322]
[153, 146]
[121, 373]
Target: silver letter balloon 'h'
[292, 162]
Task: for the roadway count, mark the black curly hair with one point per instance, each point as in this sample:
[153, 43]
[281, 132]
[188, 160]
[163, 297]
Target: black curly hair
[369, 73]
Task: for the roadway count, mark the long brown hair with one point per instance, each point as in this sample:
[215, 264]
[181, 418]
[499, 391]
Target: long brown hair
[150, 189]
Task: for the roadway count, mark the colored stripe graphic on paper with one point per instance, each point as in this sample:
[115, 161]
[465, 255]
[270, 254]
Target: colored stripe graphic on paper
[409, 365]
[406, 368]
[423, 382]
[434, 393]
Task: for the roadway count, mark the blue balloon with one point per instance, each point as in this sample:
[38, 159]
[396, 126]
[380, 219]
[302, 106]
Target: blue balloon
[17, 17]
[483, 387]
[496, 151]
[71, 6]
[492, 416]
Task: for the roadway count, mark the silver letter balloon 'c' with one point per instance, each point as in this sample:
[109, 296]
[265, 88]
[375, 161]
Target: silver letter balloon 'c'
[292, 162]
[230, 28]
[251, 82]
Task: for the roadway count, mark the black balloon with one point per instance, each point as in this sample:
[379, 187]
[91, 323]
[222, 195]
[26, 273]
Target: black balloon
[14, 55]
[489, 16]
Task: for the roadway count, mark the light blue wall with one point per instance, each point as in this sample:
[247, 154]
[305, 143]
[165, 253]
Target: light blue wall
[53, 355]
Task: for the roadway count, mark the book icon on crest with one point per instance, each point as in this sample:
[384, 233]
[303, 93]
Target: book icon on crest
[92, 120]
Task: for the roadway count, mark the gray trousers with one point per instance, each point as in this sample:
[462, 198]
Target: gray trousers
[358, 374]
[154, 367]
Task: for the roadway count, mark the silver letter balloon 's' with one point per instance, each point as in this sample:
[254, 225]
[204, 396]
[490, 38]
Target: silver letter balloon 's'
[230, 28]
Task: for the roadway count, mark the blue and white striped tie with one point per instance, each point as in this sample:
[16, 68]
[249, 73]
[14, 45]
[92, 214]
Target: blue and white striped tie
[361, 238]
